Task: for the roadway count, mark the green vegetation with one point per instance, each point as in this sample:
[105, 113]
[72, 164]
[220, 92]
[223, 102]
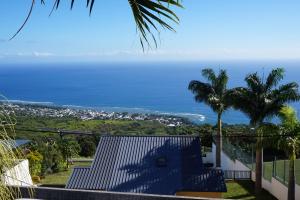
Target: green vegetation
[68, 149]
[261, 100]
[214, 94]
[113, 127]
[35, 162]
[244, 190]
[87, 146]
[62, 177]
[9, 156]
[290, 127]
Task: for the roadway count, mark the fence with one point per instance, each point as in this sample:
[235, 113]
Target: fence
[235, 152]
[68, 194]
[240, 175]
[279, 169]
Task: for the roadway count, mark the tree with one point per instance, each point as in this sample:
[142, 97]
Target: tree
[68, 149]
[148, 16]
[87, 146]
[290, 131]
[261, 100]
[214, 94]
[52, 156]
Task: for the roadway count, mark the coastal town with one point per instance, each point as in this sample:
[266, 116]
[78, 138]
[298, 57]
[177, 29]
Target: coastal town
[38, 110]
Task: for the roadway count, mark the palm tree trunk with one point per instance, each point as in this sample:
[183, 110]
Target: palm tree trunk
[291, 184]
[258, 166]
[219, 142]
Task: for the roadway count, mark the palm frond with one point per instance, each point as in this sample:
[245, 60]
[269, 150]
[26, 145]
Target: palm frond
[148, 15]
[288, 117]
[274, 77]
[214, 93]
[27, 18]
[286, 93]
[222, 80]
[254, 82]
[201, 90]
[209, 74]
[260, 101]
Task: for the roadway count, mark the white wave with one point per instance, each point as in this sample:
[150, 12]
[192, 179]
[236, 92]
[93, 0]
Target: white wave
[31, 102]
[193, 117]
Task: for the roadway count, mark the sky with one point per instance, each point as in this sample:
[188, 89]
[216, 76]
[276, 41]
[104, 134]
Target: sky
[208, 30]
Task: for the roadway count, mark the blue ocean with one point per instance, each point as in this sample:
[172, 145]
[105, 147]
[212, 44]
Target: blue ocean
[139, 87]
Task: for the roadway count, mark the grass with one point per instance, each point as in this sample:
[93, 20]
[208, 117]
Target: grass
[244, 190]
[61, 178]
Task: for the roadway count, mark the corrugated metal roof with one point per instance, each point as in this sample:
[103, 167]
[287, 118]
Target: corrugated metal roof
[148, 164]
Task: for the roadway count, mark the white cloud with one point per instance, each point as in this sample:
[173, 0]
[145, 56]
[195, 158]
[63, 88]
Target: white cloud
[42, 54]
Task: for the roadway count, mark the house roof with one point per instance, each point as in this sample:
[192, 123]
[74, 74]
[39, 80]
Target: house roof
[148, 164]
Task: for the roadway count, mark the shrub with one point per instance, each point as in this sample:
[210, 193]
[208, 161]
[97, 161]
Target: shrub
[36, 179]
[35, 162]
[87, 145]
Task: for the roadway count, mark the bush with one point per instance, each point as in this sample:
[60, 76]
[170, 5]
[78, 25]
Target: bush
[35, 162]
[87, 145]
[36, 179]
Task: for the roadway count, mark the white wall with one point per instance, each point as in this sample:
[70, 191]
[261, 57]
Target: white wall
[19, 175]
[226, 162]
[209, 158]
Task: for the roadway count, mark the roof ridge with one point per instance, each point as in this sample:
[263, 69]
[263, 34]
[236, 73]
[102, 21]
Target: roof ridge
[82, 167]
[149, 136]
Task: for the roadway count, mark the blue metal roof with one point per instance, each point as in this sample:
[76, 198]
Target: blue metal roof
[148, 164]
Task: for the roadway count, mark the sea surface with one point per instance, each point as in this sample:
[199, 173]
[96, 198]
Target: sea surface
[139, 87]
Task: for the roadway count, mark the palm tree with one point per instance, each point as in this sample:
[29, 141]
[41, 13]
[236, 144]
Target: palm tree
[148, 16]
[260, 100]
[214, 95]
[290, 130]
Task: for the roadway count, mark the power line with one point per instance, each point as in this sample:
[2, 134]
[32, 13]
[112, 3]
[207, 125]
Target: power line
[76, 132]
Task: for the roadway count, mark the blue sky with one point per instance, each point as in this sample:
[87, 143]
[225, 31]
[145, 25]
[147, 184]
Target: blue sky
[209, 29]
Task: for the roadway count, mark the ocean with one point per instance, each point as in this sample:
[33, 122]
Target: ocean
[139, 87]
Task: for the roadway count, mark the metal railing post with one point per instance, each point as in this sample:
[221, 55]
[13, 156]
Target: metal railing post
[275, 167]
[284, 171]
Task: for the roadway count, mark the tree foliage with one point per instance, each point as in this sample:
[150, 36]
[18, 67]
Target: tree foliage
[263, 99]
[68, 148]
[35, 162]
[148, 15]
[290, 142]
[87, 146]
[214, 92]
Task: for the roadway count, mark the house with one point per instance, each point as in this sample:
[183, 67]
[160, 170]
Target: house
[164, 165]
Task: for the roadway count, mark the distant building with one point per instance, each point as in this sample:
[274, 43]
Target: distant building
[166, 165]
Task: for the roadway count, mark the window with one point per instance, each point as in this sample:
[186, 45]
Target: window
[161, 161]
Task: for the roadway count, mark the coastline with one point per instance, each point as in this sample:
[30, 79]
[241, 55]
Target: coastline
[36, 109]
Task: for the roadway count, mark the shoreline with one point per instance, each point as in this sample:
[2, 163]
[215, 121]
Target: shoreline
[84, 113]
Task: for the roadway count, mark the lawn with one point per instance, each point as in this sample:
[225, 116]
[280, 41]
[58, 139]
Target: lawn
[244, 190]
[61, 178]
